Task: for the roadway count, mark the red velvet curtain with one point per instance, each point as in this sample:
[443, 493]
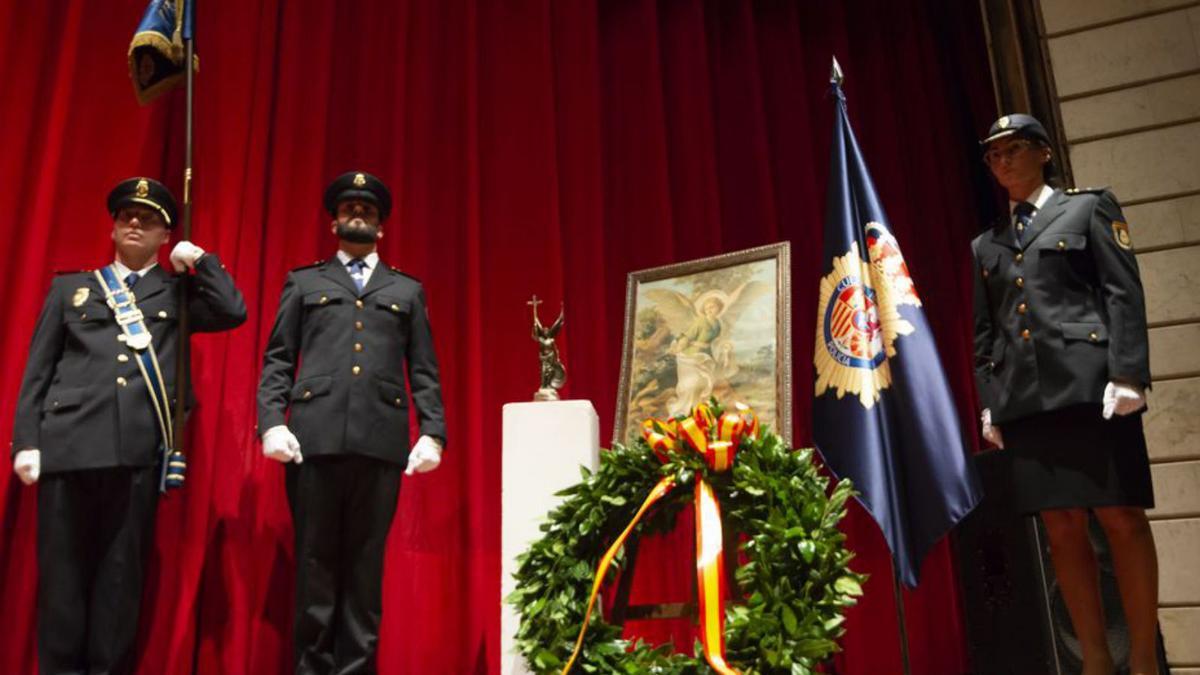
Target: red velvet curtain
[532, 147]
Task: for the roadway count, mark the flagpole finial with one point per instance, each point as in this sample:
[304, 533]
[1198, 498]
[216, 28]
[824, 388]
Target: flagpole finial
[835, 74]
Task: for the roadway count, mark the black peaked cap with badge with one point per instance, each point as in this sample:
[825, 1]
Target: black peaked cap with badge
[1019, 125]
[147, 192]
[358, 185]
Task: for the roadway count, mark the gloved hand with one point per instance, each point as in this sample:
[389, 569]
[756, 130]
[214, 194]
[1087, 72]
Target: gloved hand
[28, 465]
[1122, 399]
[426, 455]
[184, 255]
[280, 444]
[991, 433]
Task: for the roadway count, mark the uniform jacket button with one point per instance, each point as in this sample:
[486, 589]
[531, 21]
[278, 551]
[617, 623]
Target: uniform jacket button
[1061, 245]
[356, 370]
[307, 393]
[1025, 334]
[1019, 257]
[122, 358]
[1093, 336]
[122, 381]
[358, 304]
[358, 325]
[985, 274]
[324, 299]
[1022, 308]
[1020, 282]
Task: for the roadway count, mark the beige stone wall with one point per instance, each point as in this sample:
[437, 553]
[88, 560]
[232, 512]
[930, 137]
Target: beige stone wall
[1127, 75]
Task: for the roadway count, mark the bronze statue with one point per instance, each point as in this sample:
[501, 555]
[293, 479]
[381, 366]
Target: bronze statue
[554, 373]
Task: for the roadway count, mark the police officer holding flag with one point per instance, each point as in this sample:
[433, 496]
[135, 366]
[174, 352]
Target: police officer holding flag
[93, 418]
[1063, 365]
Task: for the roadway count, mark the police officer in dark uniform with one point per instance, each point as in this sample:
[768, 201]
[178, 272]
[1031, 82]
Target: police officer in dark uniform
[1062, 364]
[88, 431]
[348, 334]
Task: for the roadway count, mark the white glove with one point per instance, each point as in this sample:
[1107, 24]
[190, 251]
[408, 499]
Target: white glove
[426, 455]
[184, 255]
[991, 433]
[1122, 399]
[28, 465]
[280, 444]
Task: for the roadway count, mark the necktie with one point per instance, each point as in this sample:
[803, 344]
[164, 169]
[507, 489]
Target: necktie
[1024, 216]
[356, 268]
[132, 279]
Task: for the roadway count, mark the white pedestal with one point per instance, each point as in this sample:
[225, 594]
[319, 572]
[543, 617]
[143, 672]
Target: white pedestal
[544, 445]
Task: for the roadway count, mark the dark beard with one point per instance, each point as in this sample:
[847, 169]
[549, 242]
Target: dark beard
[355, 235]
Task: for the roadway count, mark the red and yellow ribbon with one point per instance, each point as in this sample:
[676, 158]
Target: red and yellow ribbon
[717, 440]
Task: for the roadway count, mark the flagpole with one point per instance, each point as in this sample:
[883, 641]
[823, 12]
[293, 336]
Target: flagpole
[900, 618]
[181, 361]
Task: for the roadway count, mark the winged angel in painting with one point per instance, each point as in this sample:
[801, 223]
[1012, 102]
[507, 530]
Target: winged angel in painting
[703, 348]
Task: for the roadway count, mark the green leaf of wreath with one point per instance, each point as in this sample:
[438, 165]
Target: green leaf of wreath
[795, 585]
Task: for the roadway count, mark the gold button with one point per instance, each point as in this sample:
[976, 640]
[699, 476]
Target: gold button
[358, 346]
[1022, 308]
[358, 325]
[83, 316]
[395, 308]
[1019, 257]
[121, 337]
[1025, 334]
[1020, 227]
[356, 370]
[1020, 282]
[307, 393]
[1093, 337]
[122, 358]
[358, 304]
[324, 299]
[1061, 244]
[162, 313]
[985, 274]
[399, 402]
[122, 381]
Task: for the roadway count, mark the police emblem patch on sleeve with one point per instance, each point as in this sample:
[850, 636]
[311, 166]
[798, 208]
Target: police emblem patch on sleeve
[1121, 234]
[80, 297]
[858, 318]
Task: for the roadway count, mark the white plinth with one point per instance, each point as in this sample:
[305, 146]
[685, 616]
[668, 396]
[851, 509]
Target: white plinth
[544, 445]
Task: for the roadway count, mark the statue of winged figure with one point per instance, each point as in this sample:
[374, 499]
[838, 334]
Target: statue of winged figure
[703, 348]
[554, 373]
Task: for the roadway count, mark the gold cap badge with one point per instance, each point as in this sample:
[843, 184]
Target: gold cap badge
[1002, 122]
[143, 188]
[359, 180]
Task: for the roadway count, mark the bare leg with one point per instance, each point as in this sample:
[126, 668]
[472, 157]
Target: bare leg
[1135, 562]
[1078, 578]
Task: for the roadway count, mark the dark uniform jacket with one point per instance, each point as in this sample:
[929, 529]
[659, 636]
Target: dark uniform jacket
[83, 401]
[338, 360]
[1061, 316]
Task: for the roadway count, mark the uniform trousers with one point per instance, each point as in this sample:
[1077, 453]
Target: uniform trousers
[95, 531]
[342, 508]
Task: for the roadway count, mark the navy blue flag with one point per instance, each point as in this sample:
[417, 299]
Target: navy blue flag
[883, 413]
[156, 53]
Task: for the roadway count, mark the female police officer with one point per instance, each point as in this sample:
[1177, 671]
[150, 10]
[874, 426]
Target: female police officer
[1062, 362]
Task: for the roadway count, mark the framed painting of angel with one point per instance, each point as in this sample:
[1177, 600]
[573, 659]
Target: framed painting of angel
[715, 327]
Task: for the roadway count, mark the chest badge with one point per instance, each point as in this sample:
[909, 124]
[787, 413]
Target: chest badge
[80, 297]
[1121, 234]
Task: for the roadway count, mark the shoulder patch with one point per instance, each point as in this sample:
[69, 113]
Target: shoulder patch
[1121, 235]
[1085, 190]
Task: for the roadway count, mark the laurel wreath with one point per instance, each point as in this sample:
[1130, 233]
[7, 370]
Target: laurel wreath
[797, 582]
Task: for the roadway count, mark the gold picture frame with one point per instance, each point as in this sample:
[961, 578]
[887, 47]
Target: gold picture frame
[719, 326]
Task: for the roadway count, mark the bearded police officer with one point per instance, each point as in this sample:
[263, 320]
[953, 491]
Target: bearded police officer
[1063, 364]
[92, 420]
[348, 333]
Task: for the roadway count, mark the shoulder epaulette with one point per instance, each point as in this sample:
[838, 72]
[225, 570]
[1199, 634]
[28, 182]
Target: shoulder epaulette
[309, 266]
[402, 273]
[1083, 190]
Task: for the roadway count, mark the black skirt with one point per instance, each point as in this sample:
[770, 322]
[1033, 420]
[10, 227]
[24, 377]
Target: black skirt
[1074, 458]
